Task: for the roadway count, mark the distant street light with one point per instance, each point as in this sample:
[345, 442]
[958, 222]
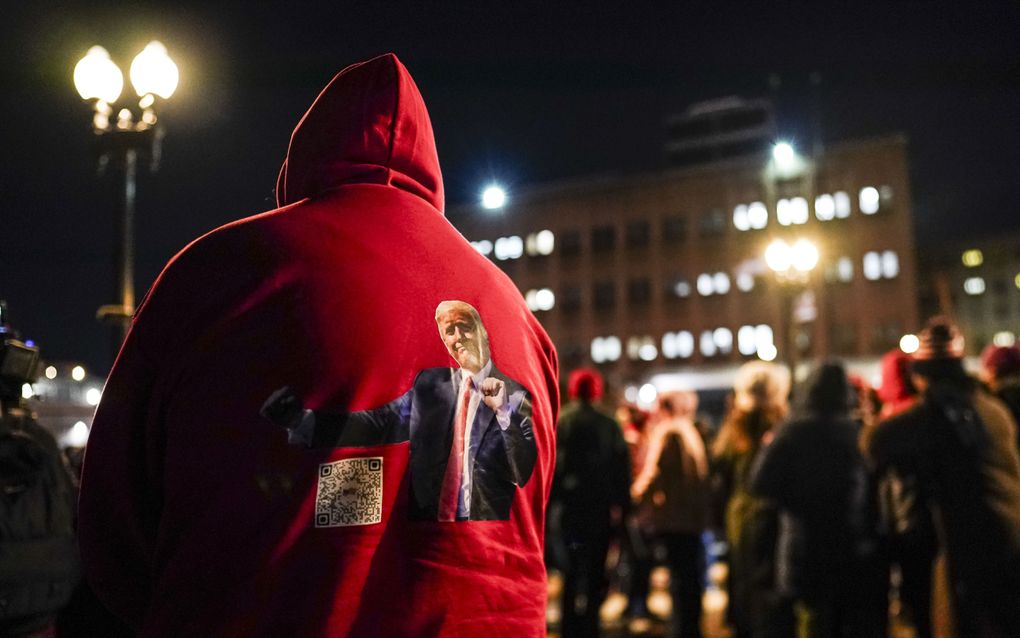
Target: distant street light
[123, 138]
[792, 265]
[493, 198]
[909, 343]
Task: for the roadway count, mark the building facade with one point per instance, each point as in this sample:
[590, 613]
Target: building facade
[977, 282]
[664, 271]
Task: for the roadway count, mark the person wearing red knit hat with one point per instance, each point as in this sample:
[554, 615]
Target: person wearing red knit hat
[589, 497]
[1000, 369]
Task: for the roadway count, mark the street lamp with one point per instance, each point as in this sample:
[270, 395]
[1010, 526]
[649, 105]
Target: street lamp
[792, 265]
[493, 197]
[122, 135]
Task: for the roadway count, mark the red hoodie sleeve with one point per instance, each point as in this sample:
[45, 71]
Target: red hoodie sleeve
[120, 496]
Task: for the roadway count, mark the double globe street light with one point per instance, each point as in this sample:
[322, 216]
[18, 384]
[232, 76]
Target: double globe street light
[792, 265]
[123, 135]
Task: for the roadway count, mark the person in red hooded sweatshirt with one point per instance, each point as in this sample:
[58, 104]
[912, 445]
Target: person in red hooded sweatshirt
[200, 518]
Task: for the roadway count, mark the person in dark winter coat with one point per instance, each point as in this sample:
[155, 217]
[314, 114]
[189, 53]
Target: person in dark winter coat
[956, 451]
[1000, 368]
[590, 497]
[814, 472]
[198, 518]
[913, 545]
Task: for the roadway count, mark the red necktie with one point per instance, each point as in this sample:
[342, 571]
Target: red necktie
[450, 493]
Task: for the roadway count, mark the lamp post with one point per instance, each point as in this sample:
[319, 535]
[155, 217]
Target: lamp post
[122, 136]
[792, 265]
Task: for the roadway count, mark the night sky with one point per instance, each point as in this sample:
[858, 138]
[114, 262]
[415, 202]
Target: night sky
[522, 95]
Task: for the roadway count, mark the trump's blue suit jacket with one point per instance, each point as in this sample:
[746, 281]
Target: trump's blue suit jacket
[504, 459]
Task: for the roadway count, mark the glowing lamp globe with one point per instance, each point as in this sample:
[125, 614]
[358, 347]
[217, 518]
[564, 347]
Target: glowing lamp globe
[153, 72]
[97, 77]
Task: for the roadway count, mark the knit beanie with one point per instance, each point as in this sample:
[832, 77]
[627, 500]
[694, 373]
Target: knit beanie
[1001, 361]
[941, 348]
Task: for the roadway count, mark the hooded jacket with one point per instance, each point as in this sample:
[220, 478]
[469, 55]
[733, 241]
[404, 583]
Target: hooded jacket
[197, 517]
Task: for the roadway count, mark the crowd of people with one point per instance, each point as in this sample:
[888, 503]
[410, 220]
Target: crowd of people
[842, 508]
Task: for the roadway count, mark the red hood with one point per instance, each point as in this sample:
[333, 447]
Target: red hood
[368, 126]
[896, 385]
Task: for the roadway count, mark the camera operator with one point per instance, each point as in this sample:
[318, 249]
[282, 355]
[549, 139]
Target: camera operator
[38, 554]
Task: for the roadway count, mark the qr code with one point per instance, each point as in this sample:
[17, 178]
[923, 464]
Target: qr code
[349, 493]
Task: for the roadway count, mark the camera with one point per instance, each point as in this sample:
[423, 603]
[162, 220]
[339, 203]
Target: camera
[19, 362]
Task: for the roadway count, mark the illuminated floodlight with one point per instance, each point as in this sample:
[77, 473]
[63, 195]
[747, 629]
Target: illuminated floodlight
[93, 395]
[1004, 339]
[647, 395]
[51, 372]
[26, 391]
[493, 197]
[77, 436]
[78, 373]
[783, 153]
[909, 343]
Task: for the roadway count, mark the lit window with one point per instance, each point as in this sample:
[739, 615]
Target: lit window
[825, 207]
[669, 346]
[740, 219]
[798, 210]
[509, 247]
[541, 299]
[974, 286]
[845, 269]
[841, 200]
[721, 283]
[973, 258]
[605, 349]
[745, 281]
[705, 286]
[869, 200]
[677, 344]
[757, 215]
[484, 246]
[681, 287]
[723, 339]
[642, 348]
[754, 339]
[541, 243]
[764, 339]
[890, 264]
[872, 266]
[707, 343]
[784, 212]
[746, 340]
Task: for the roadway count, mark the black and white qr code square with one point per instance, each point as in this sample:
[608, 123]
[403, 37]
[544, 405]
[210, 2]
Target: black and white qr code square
[349, 492]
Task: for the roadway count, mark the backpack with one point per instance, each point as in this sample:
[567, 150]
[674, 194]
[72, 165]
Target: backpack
[39, 563]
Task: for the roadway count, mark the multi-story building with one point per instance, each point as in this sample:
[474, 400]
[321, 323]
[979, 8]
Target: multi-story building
[977, 282]
[664, 271]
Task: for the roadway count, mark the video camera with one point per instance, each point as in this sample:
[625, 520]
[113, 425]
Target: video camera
[19, 362]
